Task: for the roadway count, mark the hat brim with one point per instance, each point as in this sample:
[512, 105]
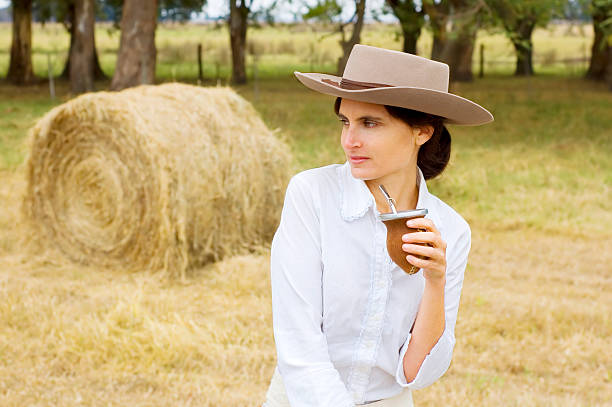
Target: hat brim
[455, 109]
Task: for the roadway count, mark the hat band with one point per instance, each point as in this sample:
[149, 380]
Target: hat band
[352, 85]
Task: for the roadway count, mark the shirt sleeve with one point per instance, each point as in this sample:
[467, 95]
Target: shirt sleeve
[438, 360]
[309, 377]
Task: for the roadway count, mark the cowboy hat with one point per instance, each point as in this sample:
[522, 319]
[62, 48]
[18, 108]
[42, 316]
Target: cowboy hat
[386, 77]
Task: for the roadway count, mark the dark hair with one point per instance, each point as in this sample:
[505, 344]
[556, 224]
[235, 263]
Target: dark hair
[433, 156]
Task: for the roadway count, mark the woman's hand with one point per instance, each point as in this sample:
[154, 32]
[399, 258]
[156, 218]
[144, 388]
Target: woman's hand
[434, 266]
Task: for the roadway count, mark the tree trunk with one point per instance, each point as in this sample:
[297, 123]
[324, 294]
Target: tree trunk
[82, 53]
[137, 52]
[410, 41]
[438, 20]
[524, 58]
[609, 68]
[70, 25]
[347, 46]
[238, 30]
[439, 44]
[98, 72]
[458, 52]
[20, 68]
[599, 51]
[454, 46]
[411, 22]
[524, 46]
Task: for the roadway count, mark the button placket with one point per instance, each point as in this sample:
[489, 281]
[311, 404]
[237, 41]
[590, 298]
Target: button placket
[372, 325]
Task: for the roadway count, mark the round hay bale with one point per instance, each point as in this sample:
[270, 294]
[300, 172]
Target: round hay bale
[161, 178]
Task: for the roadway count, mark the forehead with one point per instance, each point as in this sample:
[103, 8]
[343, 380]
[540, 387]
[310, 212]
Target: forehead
[354, 108]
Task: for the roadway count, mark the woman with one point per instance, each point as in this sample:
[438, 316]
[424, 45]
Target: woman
[350, 326]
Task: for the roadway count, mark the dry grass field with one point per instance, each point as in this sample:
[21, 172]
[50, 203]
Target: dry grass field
[534, 328]
[535, 319]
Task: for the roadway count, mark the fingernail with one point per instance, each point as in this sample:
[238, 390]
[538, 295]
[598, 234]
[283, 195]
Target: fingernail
[405, 238]
[410, 223]
[404, 246]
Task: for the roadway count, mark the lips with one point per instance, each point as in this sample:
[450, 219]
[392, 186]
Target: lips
[358, 159]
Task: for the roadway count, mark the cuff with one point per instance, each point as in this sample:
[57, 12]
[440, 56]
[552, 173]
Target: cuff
[433, 367]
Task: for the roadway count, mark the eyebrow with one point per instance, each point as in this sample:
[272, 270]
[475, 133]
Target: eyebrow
[373, 118]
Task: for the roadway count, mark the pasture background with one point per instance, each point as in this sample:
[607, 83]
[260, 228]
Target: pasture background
[534, 324]
[282, 49]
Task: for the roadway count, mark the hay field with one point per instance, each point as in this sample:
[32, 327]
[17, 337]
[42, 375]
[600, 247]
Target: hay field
[534, 323]
[282, 49]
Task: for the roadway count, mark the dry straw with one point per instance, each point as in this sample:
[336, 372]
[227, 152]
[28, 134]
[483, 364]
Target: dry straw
[159, 178]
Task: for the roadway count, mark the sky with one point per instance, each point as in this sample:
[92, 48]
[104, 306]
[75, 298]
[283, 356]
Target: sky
[285, 12]
[217, 8]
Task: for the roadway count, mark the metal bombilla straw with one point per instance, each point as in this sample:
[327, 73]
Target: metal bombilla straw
[390, 200]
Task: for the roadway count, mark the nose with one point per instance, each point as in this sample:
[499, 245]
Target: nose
[351, 137]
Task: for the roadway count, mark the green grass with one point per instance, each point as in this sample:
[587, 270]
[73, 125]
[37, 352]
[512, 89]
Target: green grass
[19, 110]
[542, 165]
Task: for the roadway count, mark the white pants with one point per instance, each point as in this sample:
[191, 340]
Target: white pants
[276, 396]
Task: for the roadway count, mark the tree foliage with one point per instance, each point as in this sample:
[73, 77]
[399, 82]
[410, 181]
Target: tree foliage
[519, 19]
[330, 11]
[604, 9]
[411, 18]
[179, 10]
[327, 11]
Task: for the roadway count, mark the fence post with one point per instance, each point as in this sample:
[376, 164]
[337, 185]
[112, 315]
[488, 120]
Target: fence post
[51, 82]
[255, 79]
[200, 74]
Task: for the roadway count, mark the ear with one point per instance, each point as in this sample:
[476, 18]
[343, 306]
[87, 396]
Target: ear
[422, 134]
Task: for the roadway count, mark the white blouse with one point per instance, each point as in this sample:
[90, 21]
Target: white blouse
[342, 310]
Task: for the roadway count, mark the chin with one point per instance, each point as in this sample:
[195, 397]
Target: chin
[363, 173]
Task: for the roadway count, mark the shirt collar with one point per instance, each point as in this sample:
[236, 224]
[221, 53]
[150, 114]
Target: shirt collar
[357, 198]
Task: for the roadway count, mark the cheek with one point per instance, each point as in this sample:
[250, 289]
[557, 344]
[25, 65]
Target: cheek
[397, 152]
[343, 137]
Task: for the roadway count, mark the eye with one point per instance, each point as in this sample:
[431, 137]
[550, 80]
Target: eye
[369, 123]
[343, 121]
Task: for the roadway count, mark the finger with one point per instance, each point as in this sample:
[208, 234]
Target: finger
[420, 237]
[416, 249]
[421, 263]
[422, 223]
[430, 238]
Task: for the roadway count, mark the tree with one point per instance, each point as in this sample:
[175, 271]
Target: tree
[242, 15]
[519, 18]
[329, 11]
[455, 24]
[355, 38]
[137, 53]
[168, 10]
[609, 69]
[69, 21]
[64, 12]
[238, 23]
[438, 14]
[601, 11]
[82, 52]
[20, 67]
[411, 18]
[178, 10]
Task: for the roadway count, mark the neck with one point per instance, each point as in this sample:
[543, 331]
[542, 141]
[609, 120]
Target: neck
[401, 186]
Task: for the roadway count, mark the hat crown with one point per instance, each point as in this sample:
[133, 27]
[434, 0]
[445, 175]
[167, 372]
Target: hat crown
[378, 65]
